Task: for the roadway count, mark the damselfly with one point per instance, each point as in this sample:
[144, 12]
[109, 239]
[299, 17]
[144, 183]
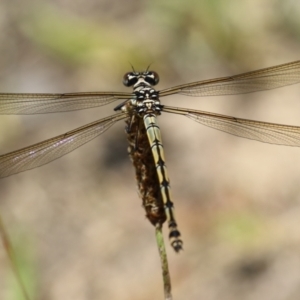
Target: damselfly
[140, 109]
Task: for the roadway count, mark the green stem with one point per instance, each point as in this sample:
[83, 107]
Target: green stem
[10, 253]
[164, 262]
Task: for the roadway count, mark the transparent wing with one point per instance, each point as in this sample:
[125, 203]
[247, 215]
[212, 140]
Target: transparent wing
[263, 79]
[260, 131]
[49, 150]
[50, 103]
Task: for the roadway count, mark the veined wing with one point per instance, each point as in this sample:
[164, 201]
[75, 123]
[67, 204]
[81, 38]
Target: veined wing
[259, 80]
[260, 131]
[49, 150]
[23, 104]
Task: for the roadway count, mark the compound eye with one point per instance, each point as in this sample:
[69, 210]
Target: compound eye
[152, 78]
[129, 79]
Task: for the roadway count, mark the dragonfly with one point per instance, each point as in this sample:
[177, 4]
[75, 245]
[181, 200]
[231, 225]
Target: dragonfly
[140, 109]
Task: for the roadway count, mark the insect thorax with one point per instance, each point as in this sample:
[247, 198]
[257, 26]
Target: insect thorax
[145, 100]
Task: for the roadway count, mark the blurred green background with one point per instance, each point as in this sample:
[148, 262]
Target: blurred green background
[77, 224]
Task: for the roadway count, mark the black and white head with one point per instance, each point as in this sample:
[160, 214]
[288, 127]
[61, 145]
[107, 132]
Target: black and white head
[137, 79]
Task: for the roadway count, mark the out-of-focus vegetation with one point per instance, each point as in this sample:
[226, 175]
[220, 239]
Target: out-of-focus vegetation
[237, 201]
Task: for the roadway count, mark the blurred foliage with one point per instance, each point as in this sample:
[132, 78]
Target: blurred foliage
[65, 45]
[241, 228]
[75, 40]
[24, 259]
